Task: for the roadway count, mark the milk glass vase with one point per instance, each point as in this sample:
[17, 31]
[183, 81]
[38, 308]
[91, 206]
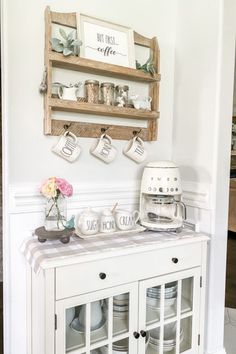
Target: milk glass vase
[55, 213]
[56, 190]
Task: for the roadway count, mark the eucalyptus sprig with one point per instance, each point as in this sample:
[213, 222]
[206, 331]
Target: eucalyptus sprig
[68, 45]
[148, 67]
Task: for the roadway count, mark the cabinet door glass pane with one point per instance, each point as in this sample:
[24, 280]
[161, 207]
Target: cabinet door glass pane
[187, 295]
[169, 341]
[151, 345]
[98, 320]
[170, 303]
[102, 350]
[75, 331]
[186, 328]
[77, 324]
[153, 304]
[121, 346]
[121, 305]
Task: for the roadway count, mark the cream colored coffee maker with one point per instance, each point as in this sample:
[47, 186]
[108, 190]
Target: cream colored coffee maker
[161, 208]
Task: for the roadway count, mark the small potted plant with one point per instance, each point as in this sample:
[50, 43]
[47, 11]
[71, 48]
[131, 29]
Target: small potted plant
[68, 44]
[56, 190]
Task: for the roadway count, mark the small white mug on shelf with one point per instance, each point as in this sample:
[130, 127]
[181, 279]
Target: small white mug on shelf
[68, 93]
[125, 219]
[67, 147]
[103, 149]
[135, 150]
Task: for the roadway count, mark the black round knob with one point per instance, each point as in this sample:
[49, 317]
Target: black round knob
[175, 260]
[143, 333]
[136, 335]
[102, 275]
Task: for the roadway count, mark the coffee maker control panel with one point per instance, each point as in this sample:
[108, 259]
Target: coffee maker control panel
[163, 190]
[161, 181]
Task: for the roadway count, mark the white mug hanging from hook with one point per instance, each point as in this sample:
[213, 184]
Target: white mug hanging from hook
[103, 149]
[67, 146]
[135, 149]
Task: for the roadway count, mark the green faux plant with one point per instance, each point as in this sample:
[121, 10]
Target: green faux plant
[148, 67]
[68, 45]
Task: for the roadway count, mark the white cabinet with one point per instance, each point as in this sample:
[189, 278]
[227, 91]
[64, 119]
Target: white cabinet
[150, 301]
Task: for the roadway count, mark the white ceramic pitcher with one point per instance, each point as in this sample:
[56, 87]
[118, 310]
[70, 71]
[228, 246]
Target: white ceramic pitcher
[68, 93]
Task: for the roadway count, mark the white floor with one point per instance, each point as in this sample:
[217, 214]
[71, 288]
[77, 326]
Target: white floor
[230, 330]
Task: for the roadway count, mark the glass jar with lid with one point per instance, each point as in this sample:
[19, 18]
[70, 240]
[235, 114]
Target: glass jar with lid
[122, 95]
[108, 93]
[92, 91]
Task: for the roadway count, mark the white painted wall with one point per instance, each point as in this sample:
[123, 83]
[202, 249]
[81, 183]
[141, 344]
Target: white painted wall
[27, 150]
[195, 87]
[204, 72]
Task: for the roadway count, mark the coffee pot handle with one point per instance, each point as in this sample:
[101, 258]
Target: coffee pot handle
[181, 204]
[184, 210]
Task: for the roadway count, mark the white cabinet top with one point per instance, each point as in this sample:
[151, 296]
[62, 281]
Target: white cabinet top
[53, 254]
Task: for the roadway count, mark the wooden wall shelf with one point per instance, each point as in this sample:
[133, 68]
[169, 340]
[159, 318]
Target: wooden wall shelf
[57, 60]
[95, 67]
[100, 109]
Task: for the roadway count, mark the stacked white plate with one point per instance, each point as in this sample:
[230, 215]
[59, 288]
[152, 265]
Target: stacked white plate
[121, 306]
[169, 341]
[120, 347]
[154, 295]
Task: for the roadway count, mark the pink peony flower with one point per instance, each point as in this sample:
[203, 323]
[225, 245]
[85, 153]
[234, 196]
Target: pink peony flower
[64, 187]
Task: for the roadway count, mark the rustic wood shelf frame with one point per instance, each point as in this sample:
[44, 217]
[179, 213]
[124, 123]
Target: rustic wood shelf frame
[82, 129]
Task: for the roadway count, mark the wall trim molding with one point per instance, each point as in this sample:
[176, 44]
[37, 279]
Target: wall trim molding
[221, 351]
[27, 199]
[197, 195]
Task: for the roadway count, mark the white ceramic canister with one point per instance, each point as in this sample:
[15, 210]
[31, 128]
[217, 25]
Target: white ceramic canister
[107, 222]
[125, 219]
[88, 222]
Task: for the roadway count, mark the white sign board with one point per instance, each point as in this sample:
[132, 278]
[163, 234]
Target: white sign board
[105, 41]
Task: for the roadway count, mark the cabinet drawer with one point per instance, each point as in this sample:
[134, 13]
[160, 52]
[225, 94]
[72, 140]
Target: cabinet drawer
[91, 276]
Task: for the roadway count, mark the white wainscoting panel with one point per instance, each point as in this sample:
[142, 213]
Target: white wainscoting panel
[27, 198]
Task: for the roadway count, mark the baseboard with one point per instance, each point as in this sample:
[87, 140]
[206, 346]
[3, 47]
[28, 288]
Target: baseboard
[221, 351]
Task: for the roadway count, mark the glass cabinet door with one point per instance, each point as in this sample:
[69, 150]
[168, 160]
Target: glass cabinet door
[168, 313]
[99, 322]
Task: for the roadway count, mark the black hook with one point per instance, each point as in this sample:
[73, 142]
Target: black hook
[103, 130]
[67, 126]
[136, 133]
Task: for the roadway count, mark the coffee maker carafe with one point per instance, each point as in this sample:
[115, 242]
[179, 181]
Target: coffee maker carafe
[161, 208]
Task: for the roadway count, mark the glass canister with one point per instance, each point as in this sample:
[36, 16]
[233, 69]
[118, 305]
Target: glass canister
[91, 91]
[108, 93]
[122, 95]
